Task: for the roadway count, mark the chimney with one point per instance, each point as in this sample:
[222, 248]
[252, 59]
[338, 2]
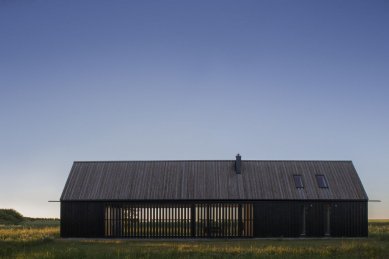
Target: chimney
[238, 163]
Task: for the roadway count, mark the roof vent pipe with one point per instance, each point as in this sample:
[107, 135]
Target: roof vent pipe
[238, 163]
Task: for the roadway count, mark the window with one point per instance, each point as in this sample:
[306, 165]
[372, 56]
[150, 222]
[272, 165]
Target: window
[322, 181]
[298, 181]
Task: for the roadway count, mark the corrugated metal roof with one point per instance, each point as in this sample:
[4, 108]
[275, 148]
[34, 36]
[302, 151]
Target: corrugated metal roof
[211, 180]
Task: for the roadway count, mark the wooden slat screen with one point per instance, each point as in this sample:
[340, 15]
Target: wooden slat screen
[150, 220]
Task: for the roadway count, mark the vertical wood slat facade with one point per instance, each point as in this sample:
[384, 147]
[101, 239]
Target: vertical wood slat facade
[213, 199]
[213, 219]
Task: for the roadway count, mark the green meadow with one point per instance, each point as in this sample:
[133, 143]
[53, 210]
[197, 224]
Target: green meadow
[39, 238]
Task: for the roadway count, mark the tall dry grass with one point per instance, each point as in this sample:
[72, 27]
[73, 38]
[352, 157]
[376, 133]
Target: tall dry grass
[25, 234]
[42, 242]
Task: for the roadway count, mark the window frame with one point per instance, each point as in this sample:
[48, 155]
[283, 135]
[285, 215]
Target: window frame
[322, 181]
[298, 178]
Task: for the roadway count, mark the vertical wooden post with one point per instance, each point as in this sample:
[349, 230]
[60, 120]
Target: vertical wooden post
[193, 219]
[208, 220]
[240, 223]
[327, 220]
[303, 221]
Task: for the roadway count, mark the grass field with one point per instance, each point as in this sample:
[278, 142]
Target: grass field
[39, 238]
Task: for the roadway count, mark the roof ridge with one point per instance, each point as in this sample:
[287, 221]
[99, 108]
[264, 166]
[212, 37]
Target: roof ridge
[220, 160]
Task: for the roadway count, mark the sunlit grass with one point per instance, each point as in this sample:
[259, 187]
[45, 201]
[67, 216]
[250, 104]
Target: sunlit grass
[379, 228]
[40, 241]
[23, 234]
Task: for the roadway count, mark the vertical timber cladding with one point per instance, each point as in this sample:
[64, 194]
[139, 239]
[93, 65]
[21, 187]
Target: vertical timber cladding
[278, 219]
[214, 219]
[349, 219]
[171, 220]
[310, 218]
[82, 219]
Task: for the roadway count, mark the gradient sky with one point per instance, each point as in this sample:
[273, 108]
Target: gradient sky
[151, 80]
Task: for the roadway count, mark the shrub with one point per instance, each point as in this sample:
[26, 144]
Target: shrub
[10, 217]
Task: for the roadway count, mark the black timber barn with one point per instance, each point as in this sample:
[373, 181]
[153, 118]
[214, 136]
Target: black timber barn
[213, 199]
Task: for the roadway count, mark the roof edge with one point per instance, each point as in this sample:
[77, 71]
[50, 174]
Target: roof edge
[227, 160]
[210, 200]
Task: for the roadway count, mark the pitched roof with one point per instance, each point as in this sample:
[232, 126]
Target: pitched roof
[211, 180]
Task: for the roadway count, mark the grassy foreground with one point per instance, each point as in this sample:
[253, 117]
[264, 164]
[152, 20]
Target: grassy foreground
[40, 239]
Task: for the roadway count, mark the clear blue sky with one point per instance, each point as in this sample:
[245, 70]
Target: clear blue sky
[148, 80]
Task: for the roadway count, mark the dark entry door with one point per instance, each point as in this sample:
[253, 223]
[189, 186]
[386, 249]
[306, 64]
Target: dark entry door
[318, 220]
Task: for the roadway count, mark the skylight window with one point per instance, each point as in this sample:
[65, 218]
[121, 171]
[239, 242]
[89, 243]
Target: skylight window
[298, 181]
[322, 181]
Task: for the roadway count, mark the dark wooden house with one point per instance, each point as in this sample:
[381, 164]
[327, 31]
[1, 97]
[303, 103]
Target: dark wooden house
[222, 199]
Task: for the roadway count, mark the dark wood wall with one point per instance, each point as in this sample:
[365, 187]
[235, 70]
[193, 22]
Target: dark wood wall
[350, 219]
[82, 219]
[285, 218]
[267, 219]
